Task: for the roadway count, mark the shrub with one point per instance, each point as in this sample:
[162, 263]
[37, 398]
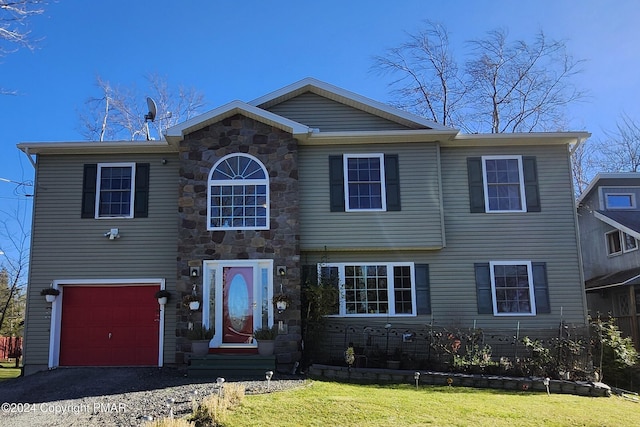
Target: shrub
[199, 333]
[213, 409]
[169, 422]
[614, 353]
[266, 334]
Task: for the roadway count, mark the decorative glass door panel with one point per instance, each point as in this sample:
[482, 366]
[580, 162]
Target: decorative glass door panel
[237, 297]
[238, 305]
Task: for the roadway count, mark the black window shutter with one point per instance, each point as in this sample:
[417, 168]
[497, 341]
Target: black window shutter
[336, 184]
[423, 289]
[89, 191]
[540, 287]
[531, 191]
[392, 179]
[476, 186]
[483, 288]
[141, 197]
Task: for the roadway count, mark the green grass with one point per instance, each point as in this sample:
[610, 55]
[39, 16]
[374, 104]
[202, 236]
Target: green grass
[336, 404]
[8, 371]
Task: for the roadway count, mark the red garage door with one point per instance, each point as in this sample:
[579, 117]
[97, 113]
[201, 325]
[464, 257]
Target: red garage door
[109, 326]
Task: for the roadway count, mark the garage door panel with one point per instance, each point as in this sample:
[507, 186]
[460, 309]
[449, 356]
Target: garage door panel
[109, 326]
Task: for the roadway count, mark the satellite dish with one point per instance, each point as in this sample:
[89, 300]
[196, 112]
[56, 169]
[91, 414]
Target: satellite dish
[151, 115]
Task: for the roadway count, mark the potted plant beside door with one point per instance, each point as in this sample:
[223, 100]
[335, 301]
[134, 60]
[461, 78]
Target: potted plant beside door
[191, 301]
[50, 294]
[200, 336]
[162, 295]
[281, 302]
[266, 338]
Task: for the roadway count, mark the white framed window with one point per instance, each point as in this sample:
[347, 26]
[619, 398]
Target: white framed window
[620, 200]
[238, 194]
[629, 243]
[618, 241]
[364, 182]
[115, 190]
[503, 180]
[512, 288]
[373, 289]
[614, 243]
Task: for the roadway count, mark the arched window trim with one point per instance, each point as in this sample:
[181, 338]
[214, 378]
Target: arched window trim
[237, 182]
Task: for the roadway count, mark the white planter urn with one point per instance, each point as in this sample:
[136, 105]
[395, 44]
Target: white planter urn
[162, 300]
[281, 306]
[194, 305]
[50, 298]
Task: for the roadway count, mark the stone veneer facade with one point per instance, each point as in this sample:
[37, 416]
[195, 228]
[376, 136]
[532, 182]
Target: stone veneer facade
[277, 150]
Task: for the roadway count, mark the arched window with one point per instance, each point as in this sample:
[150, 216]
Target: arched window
[238, 194]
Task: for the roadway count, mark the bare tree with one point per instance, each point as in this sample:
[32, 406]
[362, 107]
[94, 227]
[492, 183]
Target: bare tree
[428, 81]
[620, 150]
[119, 113]
[14, 261]
[503, 87]
[583, 165]
[520, 86]
[14, 32]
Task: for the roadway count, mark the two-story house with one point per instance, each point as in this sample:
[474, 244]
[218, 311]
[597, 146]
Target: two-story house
[420, 223]
[609, 218]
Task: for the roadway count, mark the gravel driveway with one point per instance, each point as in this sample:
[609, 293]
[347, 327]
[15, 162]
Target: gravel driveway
[110, 396]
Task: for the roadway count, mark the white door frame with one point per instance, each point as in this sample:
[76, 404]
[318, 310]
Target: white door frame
[212, 272]
[56, 311]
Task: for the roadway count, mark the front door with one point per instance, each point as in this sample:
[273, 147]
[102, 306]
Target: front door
[237, 297]
[238, 305]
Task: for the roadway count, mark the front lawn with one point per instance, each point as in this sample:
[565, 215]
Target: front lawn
[335, 404]
[8, 371]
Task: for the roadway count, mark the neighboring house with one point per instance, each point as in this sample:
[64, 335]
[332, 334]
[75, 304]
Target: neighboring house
[420, 223]
[609, 219]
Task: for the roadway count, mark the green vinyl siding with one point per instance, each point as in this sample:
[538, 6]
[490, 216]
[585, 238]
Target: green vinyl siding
[547, 237]
[66, 246]
[316, 111]
[417, 224]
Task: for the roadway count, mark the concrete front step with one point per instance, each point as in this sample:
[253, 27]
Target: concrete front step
[230, 365]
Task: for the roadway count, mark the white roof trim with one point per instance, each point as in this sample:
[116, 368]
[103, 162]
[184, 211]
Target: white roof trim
[616, 224]
[346, 97]
[613, 285]
[96, 147]
[385, 136]
[235, 107]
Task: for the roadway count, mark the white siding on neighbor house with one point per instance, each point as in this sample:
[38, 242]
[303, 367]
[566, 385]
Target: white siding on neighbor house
[65, 246]
[548, 236]
[330, 116]
[416, 225]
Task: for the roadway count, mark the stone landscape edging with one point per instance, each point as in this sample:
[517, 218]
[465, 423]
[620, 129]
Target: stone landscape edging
[400, 376]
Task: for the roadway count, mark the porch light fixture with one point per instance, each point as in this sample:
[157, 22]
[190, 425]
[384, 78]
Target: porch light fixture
[112, 234]
[282, 270]
[194, 271]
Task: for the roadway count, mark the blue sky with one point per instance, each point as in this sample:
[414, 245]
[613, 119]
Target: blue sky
[241, 50]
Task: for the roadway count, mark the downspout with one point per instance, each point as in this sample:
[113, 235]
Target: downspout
[26, 152]
[575, 147]
[440, 196]
[585, 310]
